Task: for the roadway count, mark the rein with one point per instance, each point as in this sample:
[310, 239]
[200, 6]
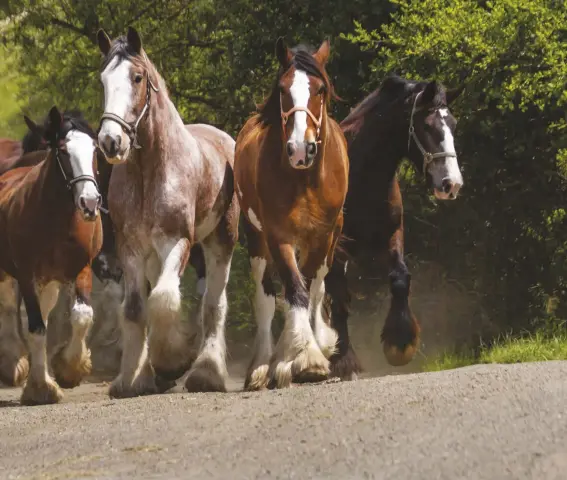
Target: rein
[131, 129]
[427, 156]
[317, 121]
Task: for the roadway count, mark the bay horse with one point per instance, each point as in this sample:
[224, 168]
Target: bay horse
[291, 170]
[48, 238]
[172, 186]
[11, 151]
[402, 118]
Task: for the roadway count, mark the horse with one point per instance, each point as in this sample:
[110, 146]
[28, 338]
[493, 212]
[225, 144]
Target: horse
[11, 151]
[49, 238]
[402, 118]
[172, 186]
[291, 171]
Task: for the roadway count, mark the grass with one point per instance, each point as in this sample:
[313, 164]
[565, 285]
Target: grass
[536, 347]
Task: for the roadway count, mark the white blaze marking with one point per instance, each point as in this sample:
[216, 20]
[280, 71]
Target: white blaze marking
[81, 149]
[117, 96]
[299, 91]
[449, 166]
[254, 220]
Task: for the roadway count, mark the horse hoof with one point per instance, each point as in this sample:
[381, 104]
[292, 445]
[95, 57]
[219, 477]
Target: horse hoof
[398, 357]
[143, 384]
[13, 371]
[69, 373]
[41, 393]
[346, 367]
[257, 379]
[205, 376]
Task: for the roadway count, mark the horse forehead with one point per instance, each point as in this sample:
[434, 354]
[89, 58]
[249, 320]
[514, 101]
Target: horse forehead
[118, 68]
[79, 143]
[299, 88]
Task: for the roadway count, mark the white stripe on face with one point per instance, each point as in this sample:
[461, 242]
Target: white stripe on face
[299, 91]
[448, 167]
[117, 96]
[81, 149]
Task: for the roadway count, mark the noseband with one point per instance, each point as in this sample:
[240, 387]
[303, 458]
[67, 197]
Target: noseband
[316, 121]
[131, 129]
[427, 156]
[69, 182]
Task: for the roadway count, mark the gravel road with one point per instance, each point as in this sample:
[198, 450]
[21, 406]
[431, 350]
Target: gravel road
[481, 422]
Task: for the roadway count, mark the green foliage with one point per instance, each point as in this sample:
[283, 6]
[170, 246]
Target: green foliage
[537, 347]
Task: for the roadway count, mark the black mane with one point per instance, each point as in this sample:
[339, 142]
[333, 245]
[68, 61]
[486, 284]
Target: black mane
[120, 48]
[393, 91]
[302, 60]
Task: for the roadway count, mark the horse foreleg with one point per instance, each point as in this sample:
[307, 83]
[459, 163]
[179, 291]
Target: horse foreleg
[169, 340]
[136, 374]
[197, 261]
[71, 361]
[14, 365]
[400, 335]
[209, 372]
[297, 353]
[264, 309]
[40, 388]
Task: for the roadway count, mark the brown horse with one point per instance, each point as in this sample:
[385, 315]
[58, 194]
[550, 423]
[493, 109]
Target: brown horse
[11, 151]
[172, 186]
[291, 170]
[49, 238]
[400, 119]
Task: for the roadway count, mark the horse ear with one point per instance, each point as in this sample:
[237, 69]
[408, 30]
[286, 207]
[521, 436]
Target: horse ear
[33, 127]
[54, 120]
[322, 55]
[103, 42]
[429, 93]
[134, 40]
[283, 53]
[452, 95]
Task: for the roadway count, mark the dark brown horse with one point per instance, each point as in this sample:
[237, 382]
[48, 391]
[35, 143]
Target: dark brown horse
[50, 231]
[172, 186]
[291, 170]
[11, 151]
[400, 119]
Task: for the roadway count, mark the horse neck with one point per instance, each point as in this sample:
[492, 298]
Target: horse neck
[159, 132]
[51, 191]
[378, 147]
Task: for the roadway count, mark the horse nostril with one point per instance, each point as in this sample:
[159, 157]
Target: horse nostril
[289, 148]
[82, 202]
[311, 149]
[447, 185]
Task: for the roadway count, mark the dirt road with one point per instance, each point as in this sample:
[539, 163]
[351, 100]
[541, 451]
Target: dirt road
[484, 422]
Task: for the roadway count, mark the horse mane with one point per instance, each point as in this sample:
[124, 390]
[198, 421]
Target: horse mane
[392, 91]
[121, 48]
[269, 111]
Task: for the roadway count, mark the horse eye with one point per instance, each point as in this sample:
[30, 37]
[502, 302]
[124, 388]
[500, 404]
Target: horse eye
[138, 78]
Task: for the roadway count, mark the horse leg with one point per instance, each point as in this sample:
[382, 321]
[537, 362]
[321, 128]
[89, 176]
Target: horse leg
[136, 374]
[264, 309]
[400, 335]
[14, 365]
[40, 388]
[169, 341]
[297, 353]
[71, 361]
[209, 373]
[344, 363]
[197, 260]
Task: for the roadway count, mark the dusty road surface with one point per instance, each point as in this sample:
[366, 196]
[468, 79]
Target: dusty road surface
[483, 422]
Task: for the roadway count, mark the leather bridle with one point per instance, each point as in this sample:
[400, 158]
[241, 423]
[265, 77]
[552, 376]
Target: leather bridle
[317, 121]
[131, 129]
[427, 156]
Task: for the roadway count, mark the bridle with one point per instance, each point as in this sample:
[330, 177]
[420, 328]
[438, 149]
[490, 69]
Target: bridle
[69, 182]
[131, 129]
[427, 156]
[317, 121]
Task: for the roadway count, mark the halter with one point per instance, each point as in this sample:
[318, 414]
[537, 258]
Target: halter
[317, 122]
[427, 156]
[131, 129]
[69, 182]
